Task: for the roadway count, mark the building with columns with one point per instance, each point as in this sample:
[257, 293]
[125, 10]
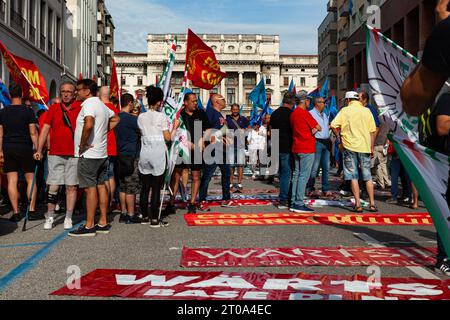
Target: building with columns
[245, 58]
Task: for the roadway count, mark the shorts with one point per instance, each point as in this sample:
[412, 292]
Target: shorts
[19, 160]
[236, 157]
[190, 166]
[128, 175]
[110, 173]
[355, 161]
[62, 171]
[92, 172]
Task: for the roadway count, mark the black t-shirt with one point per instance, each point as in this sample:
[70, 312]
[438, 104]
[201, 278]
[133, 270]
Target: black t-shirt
[127, 135]
[436, 55]
[281, 121]
[436, 142]
[16, 121]
[199, 117]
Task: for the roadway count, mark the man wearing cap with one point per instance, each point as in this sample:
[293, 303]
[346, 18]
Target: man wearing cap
[356, 139]
[304, 127]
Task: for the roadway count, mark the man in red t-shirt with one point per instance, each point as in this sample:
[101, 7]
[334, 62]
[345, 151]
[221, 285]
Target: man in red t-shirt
[105, 94]
[59, 124]
[304, 127]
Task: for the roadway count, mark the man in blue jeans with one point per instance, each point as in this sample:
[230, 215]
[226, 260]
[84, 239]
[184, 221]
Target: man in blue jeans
[323, 148]
[218, 122]
[281, 121]
[304, 127]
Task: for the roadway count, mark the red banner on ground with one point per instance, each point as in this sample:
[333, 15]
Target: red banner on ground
[175, 285]
[302, 256]
[266, 219]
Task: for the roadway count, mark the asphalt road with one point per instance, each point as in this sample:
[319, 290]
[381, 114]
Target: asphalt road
[35, 263]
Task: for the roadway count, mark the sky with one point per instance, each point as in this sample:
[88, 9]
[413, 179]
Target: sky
[296, 21]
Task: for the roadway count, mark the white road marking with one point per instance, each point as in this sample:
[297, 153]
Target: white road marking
[421, 272]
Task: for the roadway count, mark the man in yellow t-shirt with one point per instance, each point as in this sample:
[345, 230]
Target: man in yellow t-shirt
[356, 140]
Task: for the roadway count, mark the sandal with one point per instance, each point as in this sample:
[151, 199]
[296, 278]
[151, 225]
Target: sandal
[413, 207]
[373, 208]
[358, 209]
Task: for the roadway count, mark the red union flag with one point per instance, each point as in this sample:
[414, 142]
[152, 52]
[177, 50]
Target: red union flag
[203, 67]
[114, 85]
[25, 73]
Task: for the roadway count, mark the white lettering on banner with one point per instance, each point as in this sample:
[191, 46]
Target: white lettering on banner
[381, 253]
[296, 284]
[235, 282]
[414, 289]
[271, 253]
[256, 295]
[226, 252]
[344, 252]
[305, 296]
[159, 293]
[192, 293]
[314, 253]
[376, 298]
[356, 286]
[155, 281]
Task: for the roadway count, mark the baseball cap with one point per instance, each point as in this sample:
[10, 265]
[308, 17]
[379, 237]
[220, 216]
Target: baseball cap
[352, 95]
[303, 97]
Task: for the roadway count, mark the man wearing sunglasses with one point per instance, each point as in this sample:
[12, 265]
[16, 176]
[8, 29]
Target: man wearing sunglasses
[59, 125]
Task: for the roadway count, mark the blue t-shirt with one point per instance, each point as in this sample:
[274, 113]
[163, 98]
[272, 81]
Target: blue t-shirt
[375, 114]
[216, 119]
[127, 135]
[243, 123]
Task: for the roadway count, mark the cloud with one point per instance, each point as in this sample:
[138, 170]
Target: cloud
[135, 19]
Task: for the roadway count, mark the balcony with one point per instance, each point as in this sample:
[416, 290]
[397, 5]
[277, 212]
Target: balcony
[17, 22]
[2, 10]
[332, 6]
[343, 10]
[343, 35]
[42, 42]
[342, 59]
[32, 34]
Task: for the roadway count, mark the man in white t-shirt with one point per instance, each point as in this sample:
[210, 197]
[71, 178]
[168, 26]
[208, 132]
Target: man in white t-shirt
[93, 123]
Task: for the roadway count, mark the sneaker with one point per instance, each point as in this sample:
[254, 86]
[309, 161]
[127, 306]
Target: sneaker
[240, 187]
[83, 232]
[283, 206]
[443, 267]
[133, 219]
[170, 210]
[301, 209]
[48, 225]
[229, 204]
[16, 217]
[123, 217]
[68, 224]
[103, 229]
[192, 209]
[145, 221]
[344, 193]
[159, 224]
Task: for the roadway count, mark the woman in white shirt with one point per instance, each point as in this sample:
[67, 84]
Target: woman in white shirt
[153, 158]
[256, 143]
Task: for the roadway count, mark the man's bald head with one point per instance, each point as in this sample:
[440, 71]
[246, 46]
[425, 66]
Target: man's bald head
[218, 102]
[104, 93]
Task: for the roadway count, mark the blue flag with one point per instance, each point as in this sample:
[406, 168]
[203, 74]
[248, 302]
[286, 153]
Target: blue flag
[209, 104]
[325, 89]
[5, 99]
[332, 109]
[292, 86]
[259, 96]
[141, 102]
[241, 111]
[200, 104]
[350, 8]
